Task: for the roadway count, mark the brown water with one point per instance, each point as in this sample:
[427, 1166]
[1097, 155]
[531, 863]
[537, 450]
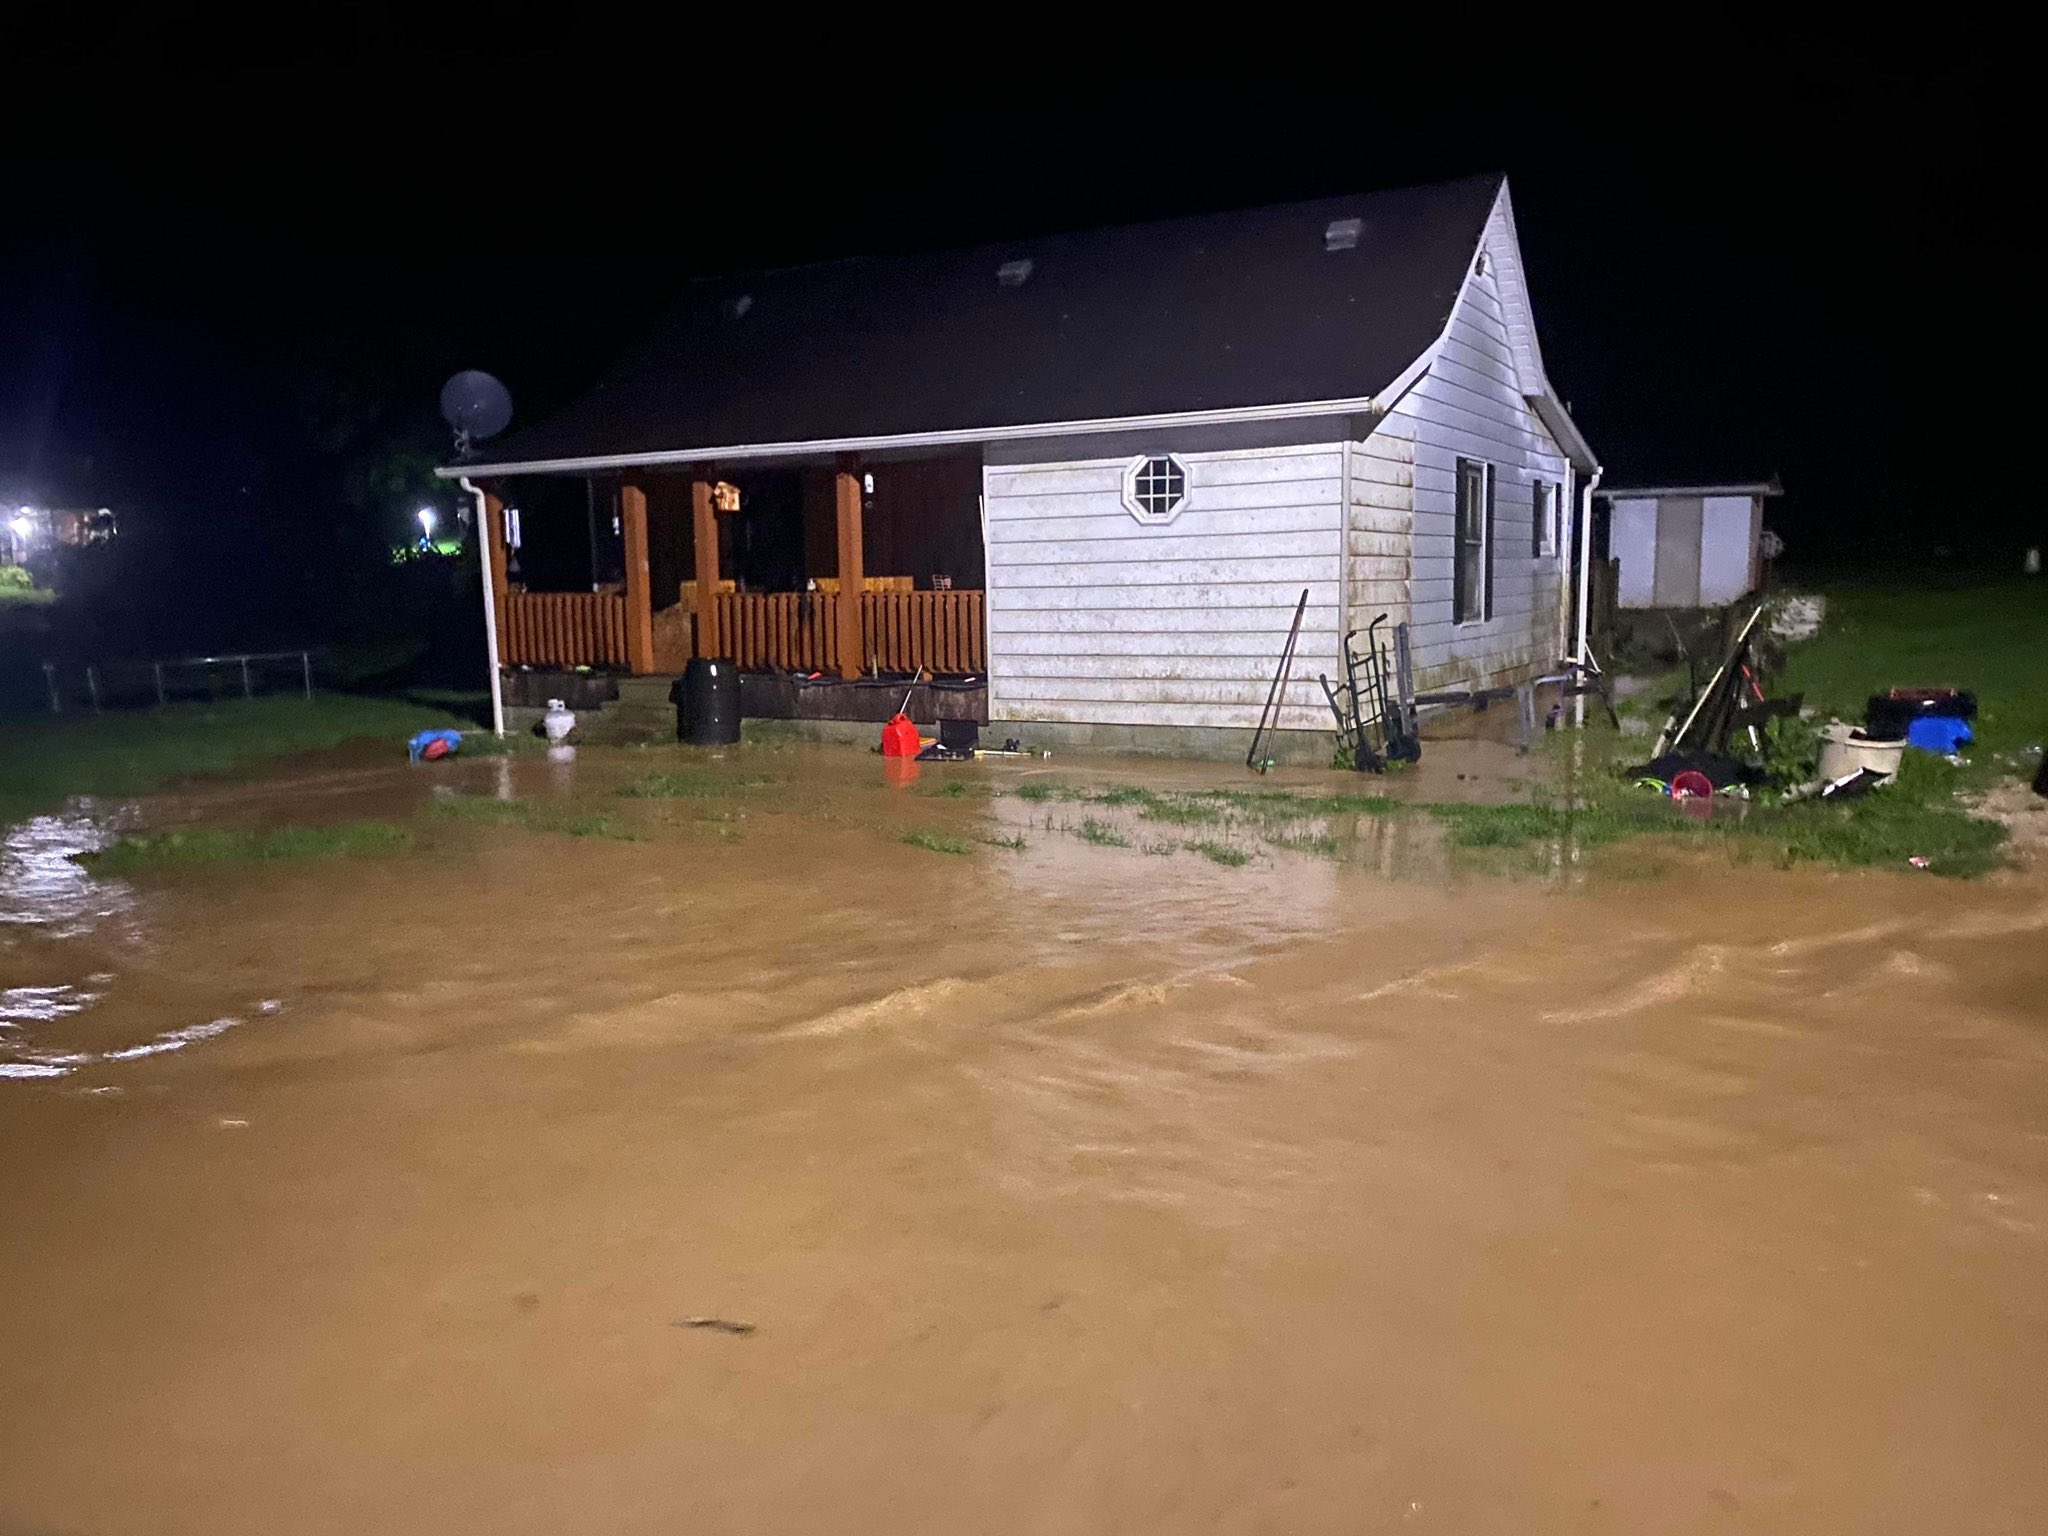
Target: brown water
[1067, 1190]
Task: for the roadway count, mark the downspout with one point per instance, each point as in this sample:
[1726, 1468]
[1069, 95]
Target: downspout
[482, 524]
[988, 594]
[1344, 532]
[1568, 497]
[1584, 654]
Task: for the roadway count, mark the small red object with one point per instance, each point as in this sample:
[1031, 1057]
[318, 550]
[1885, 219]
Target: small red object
[1692, 785]
[434, 749]
[899, 737]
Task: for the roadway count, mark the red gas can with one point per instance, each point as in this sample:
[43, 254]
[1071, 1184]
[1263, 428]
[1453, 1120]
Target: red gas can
[899, 737]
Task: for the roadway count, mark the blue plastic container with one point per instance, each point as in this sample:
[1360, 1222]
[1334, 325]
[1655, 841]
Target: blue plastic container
[1942, 734]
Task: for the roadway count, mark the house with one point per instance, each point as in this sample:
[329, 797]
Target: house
[1687, 546]
[28, 530]
[1088, 475]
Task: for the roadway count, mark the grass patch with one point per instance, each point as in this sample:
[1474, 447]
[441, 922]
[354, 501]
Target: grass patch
[1015, 842]
[1039, 790]
[531, 816]
[1101, 834]
[1181, 810]
[1321, 845]
[951, 789]
[937, 842]
[1499, 826]
[481, 808]
[1916, 815]
[592, 824]
[1220, 853]
[44, 760]
[688, 784]
[1991, 639]
[220, 845]
[1123, 794]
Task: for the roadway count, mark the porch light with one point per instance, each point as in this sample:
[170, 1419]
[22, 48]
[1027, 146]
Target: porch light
[426, 515]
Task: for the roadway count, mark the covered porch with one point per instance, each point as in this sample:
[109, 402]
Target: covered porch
[842, 570]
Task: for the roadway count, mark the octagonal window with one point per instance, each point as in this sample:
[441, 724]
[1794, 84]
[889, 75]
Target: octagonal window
[1156, 488]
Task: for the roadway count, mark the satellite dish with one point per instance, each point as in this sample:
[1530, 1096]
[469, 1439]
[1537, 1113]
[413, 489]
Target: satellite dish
[477, 406]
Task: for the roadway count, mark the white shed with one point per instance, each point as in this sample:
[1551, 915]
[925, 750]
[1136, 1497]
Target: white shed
[1687, 546]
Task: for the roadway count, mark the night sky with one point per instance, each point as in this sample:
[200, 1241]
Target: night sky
[242, 250]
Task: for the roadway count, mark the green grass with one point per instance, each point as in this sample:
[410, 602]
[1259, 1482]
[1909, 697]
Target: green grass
[936, 842]
[592, 824]
[485, 808]
[1319, 844]
[1015, 842]
[1499, 826]
[690, 784]
[951, 789]
[1990, 639]
[531, 816]
[1101, 834]
[44, 760]
[1220, 853]
[220, 845]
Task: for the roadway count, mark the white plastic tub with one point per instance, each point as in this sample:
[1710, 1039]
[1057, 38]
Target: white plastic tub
[1844, 749]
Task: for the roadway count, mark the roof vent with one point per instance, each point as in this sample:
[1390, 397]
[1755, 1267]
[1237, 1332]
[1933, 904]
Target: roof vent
[1342, 234]
[1011, 274]
[738, 305]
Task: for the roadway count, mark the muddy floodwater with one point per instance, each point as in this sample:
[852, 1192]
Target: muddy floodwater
[753, 1169]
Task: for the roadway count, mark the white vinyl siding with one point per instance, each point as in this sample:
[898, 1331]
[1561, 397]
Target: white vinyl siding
[1095, 618]
[1471, 404]
[1380, 533]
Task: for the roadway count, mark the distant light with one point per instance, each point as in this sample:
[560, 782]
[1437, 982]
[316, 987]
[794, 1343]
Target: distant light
[22, 524]
[26, 511]
[426, 520]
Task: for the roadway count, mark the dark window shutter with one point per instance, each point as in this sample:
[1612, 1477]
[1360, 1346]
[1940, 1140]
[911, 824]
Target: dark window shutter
[1488, 579]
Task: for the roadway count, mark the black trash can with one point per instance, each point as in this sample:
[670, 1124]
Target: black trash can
[707, 700]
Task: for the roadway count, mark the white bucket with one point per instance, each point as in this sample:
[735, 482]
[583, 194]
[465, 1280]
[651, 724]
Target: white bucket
[1844, 749]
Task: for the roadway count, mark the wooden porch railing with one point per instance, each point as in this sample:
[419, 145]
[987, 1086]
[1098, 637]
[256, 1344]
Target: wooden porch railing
[797, 631]
[939, 631]
[564, 629]
[761, 631]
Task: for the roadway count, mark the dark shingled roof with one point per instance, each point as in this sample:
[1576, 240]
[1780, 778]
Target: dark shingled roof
[1226, 310]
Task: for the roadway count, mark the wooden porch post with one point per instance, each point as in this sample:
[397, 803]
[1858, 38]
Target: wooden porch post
[704, 537]
[853, 584]
[639, 581]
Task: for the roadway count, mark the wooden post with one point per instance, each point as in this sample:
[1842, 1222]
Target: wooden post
[846, 491]
[704, 541]
[639, 581]
[501, 558]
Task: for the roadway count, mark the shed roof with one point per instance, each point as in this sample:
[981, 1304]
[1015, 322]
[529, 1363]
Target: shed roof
[1262, 309]
[1769, 487]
